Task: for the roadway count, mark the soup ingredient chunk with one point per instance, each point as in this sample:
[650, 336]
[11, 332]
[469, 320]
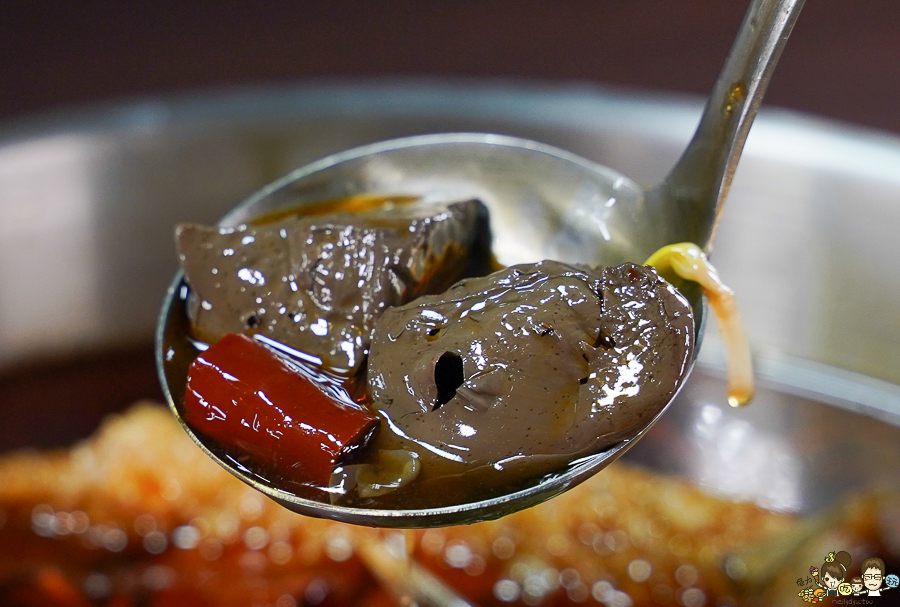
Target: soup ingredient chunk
[531, 366]
[318, 282]
[253, 402]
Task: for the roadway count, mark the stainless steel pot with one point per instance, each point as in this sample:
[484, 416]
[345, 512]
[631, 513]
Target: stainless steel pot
[88, 200]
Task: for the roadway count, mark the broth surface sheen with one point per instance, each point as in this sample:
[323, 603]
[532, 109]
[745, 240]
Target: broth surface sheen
[479, 390]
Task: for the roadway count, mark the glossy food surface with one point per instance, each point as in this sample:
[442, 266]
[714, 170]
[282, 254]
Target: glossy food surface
[526, 369]
[318, 282]
[479, 391]
[266, 412]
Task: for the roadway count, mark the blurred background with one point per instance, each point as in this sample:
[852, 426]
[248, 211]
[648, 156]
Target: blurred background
[92, 179]
[843, 60]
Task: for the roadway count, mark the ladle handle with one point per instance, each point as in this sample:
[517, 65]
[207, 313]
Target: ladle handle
[699, 181]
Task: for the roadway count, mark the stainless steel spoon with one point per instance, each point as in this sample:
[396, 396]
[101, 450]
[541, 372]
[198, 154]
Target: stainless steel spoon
[600, 217]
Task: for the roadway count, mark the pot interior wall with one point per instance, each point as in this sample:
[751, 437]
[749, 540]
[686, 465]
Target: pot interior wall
[88, 201]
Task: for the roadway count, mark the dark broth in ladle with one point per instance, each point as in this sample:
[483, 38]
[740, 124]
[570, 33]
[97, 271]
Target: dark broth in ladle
[573, 309]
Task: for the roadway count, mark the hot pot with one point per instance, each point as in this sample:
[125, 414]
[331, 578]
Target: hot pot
[89, 198]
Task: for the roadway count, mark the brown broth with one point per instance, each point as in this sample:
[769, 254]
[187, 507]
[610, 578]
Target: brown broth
[181, 349]
[431, 488]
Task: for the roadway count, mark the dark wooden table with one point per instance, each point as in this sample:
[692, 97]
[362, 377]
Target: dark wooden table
[843, 60]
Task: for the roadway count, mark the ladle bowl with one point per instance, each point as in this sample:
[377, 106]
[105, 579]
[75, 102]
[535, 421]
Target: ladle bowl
[524, 184]
[598, 217]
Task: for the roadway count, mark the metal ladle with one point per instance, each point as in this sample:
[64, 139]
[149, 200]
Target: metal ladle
[599, 217]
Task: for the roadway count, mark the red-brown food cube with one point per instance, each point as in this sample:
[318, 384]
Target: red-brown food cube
[248, 399]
